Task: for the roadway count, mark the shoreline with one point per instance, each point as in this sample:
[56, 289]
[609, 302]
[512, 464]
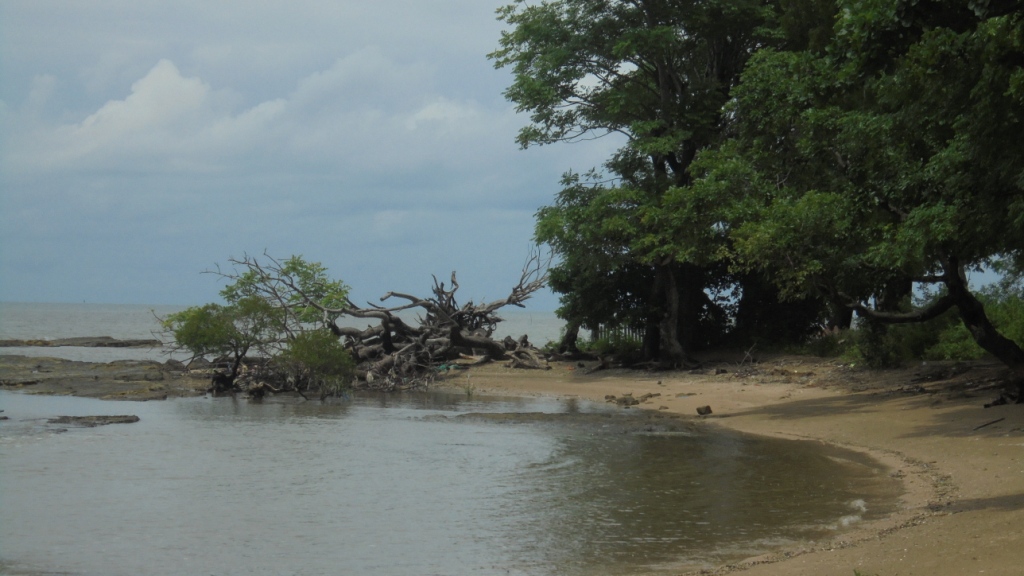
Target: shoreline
[962, 465]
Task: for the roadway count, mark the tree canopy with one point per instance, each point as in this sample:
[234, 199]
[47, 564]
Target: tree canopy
[842, 154]
[659, 73]
[892, 160]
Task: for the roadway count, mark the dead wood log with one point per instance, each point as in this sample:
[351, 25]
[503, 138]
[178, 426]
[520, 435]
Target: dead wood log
[392, 353]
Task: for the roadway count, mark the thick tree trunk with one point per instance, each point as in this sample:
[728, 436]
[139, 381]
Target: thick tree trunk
[840, 317]
[568, 345]
[671, 353]
[972, 313]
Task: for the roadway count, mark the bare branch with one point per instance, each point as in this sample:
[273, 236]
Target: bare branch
[934, 310]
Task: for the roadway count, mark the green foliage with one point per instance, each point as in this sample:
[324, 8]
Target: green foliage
[897, 165]
[203, 330]
[828, 345]
[279, 311]
[624, 348]
[841, 150]
[583, 66]
[214, 330]
[638, 243]
[892, 155]
[293, 285]
[880, 346]
[316, 360]
[943, 338]
[1005, 308]
[954, 343]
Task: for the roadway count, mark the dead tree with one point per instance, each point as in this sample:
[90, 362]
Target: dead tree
[394, 353]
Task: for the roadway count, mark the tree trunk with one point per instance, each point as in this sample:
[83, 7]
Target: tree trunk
[972, 313]
[671, 353]
[572, 334]
[839, 317]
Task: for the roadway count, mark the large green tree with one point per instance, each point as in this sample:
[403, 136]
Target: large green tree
[891, 159]
[657, 72]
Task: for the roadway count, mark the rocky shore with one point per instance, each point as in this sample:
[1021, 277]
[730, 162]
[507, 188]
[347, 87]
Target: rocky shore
[119, 380]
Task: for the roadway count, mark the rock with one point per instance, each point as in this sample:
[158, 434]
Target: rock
[627, 400]
[704, 410]
[91, 421]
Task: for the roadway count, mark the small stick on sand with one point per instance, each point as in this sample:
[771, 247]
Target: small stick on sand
[989, 423]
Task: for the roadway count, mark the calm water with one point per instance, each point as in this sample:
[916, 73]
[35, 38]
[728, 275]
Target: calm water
[399, 485]
[391, 485]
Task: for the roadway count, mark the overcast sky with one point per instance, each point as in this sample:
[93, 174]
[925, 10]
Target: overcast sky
[144, 141]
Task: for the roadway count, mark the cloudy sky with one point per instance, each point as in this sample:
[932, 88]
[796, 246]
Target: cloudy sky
[144, 141]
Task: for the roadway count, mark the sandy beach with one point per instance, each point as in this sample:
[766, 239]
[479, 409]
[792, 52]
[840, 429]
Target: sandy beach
[962, 464]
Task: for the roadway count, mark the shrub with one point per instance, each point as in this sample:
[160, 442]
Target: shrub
[828, 345]
[625, 349]
[315, 360]
[888, 346]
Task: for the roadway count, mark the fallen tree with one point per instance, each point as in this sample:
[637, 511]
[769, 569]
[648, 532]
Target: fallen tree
[410, 341]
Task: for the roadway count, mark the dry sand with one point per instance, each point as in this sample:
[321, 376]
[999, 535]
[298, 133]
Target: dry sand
[962, 464]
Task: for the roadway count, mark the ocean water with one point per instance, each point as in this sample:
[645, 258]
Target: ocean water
[24, 321]
[397, 485]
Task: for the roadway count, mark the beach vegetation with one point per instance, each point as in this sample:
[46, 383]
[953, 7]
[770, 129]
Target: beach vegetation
[316, 360]
[280, 328]
[226, 333]
[636, 241]
[843, 157]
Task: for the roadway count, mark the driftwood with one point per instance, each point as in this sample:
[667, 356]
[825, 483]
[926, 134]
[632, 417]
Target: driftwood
[393, 352]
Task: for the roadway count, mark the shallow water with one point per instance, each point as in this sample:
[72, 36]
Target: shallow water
[403, 485]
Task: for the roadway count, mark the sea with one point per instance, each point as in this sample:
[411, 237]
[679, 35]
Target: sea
[445, 483]
[51, 321]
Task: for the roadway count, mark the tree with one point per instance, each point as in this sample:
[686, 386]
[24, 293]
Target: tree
[657, 72]
[890, 160]
[259, 320]
[231, 331]
[282, 329]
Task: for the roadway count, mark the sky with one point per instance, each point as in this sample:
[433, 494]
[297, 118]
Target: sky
[143, 142]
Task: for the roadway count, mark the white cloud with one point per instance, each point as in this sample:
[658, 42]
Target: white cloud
[158, 118]
[161, 99]
[360, 113]
[443, 114]
[155, 139]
